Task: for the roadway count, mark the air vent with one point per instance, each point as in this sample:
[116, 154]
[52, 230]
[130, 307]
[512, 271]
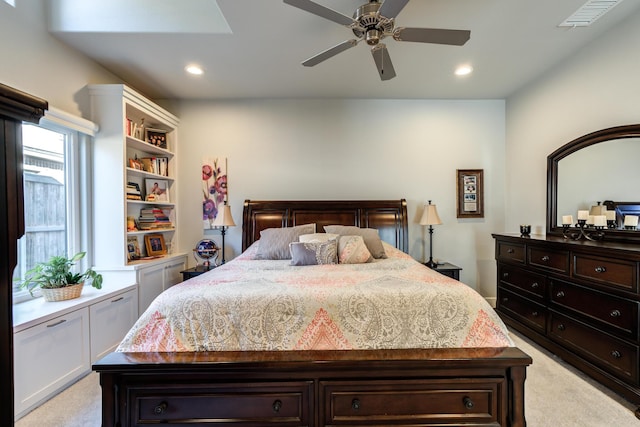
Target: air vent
[589, 13]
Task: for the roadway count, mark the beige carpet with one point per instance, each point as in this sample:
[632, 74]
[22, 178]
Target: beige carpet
[556, 396]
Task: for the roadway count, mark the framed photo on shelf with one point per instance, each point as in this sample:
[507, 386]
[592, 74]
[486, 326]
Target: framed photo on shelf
[155, 244]
[470, 193]
[157, 190]
[157, 137]
[133, 248]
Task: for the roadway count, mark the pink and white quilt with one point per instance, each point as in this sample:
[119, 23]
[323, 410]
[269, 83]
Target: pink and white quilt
[250, 304]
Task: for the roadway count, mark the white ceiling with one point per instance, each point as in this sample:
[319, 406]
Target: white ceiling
[512, 43]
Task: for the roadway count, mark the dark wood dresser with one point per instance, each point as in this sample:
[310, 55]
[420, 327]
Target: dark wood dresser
[578, 299]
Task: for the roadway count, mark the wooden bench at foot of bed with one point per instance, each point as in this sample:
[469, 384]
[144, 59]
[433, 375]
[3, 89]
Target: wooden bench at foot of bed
[445, 387]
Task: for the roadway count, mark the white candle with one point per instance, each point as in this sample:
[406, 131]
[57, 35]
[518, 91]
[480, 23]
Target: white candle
[583, 215]
[611, 215]
[600, 220]
[567, 219]
[630, 221]
[590, 219]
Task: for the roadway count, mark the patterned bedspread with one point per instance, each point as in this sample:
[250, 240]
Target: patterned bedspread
[251, 304]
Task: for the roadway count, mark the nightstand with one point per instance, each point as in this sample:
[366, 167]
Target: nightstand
[449, 269]
[196, 271]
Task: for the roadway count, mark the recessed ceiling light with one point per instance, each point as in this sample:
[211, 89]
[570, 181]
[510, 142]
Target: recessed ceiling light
[464, 70]
[196, 70]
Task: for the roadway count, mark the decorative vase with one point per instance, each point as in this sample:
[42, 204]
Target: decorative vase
[62, 294]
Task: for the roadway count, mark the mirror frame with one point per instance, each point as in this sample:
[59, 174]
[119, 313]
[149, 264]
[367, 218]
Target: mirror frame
[618, 132]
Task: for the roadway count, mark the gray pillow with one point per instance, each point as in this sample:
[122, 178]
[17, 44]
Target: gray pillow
[370, 236]
[274, 242]
[314, 253]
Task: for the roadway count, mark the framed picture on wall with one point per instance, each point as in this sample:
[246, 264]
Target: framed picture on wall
[470, 194]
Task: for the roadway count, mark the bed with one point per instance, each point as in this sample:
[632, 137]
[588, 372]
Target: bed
[341, 358]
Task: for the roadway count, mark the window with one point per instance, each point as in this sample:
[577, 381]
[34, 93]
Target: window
[56, 206]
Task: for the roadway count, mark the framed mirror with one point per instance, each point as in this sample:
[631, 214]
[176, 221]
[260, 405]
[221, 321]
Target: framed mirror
[597, 167]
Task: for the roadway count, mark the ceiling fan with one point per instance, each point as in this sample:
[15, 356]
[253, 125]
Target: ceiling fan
[372, 22]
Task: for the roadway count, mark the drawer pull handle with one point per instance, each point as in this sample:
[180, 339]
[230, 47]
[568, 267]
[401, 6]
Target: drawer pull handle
[535, 285]
[561, 327]
[534, 314]
[600, 269]
[159, 409]
[505, 275]
[505, 300]
[545, 258]
[59, 322]
[468, 403]
[118, 299]
[355, 404]
[616, 354]
[277, 405]
[510, 251]
[615, 313]
[560, 294]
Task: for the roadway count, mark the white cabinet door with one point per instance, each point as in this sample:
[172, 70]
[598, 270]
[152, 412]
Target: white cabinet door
[49, 356]
[150, 285]
[110, 321]
[154, 279]
[172, 271]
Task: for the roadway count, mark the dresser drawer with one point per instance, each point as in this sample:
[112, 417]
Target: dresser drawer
[607, 271]
[620, 313]
[255, 404]
[522, 309]
[610, 353]
[445, 402]
[531, 283]
[510, 251]
[557, 261]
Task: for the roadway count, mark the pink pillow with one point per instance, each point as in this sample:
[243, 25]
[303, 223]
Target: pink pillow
[353, 250]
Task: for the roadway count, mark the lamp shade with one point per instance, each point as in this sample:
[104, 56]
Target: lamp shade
[430, 215]
[224, 218]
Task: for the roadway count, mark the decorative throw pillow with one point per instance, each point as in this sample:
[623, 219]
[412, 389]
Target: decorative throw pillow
[313, 253]
[352, 250]
[317, 237]
[370, 236]
[274, 242]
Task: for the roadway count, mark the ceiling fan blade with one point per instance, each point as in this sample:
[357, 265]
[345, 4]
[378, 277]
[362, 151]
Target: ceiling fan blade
[391, 8]
[332, 51]
[321, 11]
[432, 35]
[383, 61]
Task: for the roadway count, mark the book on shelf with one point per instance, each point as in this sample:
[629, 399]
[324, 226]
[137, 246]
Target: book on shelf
[154, 219]
[156, 165]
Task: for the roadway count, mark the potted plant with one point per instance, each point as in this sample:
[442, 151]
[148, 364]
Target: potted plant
[57, 281]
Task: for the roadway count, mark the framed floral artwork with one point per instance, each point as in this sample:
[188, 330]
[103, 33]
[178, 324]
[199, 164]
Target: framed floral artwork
[214, 189]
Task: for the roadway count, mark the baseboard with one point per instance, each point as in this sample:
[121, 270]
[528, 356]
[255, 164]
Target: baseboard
[491, 301]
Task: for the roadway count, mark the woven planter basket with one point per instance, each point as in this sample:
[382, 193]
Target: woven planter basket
[62, 294]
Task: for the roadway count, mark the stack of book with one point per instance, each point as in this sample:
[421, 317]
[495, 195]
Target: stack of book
[133, 192]
[153, 219]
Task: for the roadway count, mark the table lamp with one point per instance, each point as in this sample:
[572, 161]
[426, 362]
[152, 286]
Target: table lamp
[430, 217]
[223, 221]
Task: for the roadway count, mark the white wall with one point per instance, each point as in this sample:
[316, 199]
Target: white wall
[35, 62]
[596, 88]
[352, 149]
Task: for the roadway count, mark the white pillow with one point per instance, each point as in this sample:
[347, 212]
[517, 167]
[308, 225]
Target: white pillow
[317, 237]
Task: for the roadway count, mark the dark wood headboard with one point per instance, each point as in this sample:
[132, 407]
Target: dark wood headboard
[389, 217]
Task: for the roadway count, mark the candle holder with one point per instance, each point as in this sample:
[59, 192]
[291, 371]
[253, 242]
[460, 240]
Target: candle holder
[583, 230]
